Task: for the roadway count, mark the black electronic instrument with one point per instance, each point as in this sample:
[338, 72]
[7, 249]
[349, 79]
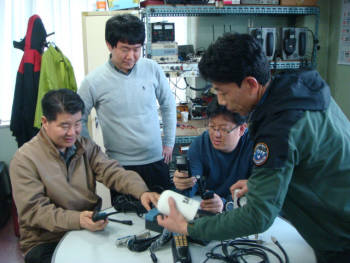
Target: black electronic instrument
[180, 250]
[183, 165]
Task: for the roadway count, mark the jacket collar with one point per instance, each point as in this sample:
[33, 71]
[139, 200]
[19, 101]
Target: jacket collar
[53, 149]
[299, 90]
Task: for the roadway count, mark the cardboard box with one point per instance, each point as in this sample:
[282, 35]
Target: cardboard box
[298, 2]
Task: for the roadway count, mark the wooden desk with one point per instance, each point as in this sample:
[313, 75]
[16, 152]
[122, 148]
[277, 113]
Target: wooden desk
[92, 247]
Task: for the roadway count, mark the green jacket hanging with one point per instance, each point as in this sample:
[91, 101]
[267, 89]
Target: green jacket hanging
[56, 73]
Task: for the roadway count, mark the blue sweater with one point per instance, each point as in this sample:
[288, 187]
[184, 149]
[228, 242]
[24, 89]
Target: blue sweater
[220, 169]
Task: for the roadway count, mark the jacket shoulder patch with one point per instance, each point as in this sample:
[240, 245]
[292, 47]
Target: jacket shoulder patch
[261, 153]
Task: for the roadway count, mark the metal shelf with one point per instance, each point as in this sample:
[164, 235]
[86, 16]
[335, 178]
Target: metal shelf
[208, 10]
[289, 64]
[194, 72]
[165, 10]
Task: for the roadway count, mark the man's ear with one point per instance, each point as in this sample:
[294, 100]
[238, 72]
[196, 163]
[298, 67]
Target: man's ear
[252, 84]
[44, 122]
[242, 129]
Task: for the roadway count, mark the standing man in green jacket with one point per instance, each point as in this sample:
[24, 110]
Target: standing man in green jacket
[54, 178]
[301, 153]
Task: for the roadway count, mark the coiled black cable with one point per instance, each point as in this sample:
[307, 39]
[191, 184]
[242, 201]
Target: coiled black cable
[142, 244]
[126, 203]
[234, 251]
[274, 240]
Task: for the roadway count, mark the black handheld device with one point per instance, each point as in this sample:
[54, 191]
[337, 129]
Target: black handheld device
[179, 248]
[97, 215]
[182, 164]
[100, 215]
[207, 195]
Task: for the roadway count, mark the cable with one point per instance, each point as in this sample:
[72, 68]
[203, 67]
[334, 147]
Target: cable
[236, 251]
[153, 256]
[315, 42]
[159, 242]
[125, 222]
[176, 84]
[112, 213]
[142, 244]
[257, 246]
[152, 243]
[163, 239]
[126, 203]
[274, 240]
[205, 89]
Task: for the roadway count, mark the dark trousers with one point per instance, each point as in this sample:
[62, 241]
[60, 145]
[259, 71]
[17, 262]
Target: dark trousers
[41, 253]
[156, 176]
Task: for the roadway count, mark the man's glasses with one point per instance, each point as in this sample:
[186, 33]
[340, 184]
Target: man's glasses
[221, 130]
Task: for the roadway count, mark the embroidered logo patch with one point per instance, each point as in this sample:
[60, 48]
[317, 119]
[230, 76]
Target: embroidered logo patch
[261, 153]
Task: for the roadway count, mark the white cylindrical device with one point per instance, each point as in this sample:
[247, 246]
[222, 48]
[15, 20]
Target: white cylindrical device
[188, 207]
[238, 202]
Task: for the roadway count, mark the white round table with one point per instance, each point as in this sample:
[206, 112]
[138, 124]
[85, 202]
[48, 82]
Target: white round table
[100, 247]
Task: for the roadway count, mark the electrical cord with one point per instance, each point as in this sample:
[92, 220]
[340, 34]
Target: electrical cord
[152, 243]
[163, 239]
[125, 222]
[275, 241]
[205, 89]
[176, 85]
[258, 248]
[158, 243]
[315, 42]
[126, 203]
[141, 244]
[153, 256]
[235, 251]
[100, 215]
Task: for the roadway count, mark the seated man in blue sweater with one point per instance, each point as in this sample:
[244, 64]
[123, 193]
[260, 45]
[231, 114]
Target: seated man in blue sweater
[220, 156]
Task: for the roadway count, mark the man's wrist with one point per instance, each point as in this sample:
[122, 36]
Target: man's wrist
[223, 200]
[185, 229]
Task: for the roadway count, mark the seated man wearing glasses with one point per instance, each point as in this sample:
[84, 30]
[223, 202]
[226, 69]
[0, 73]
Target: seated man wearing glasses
[220, 156]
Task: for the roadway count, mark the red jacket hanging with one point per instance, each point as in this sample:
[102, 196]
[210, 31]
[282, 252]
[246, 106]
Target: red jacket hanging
[27, 81]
